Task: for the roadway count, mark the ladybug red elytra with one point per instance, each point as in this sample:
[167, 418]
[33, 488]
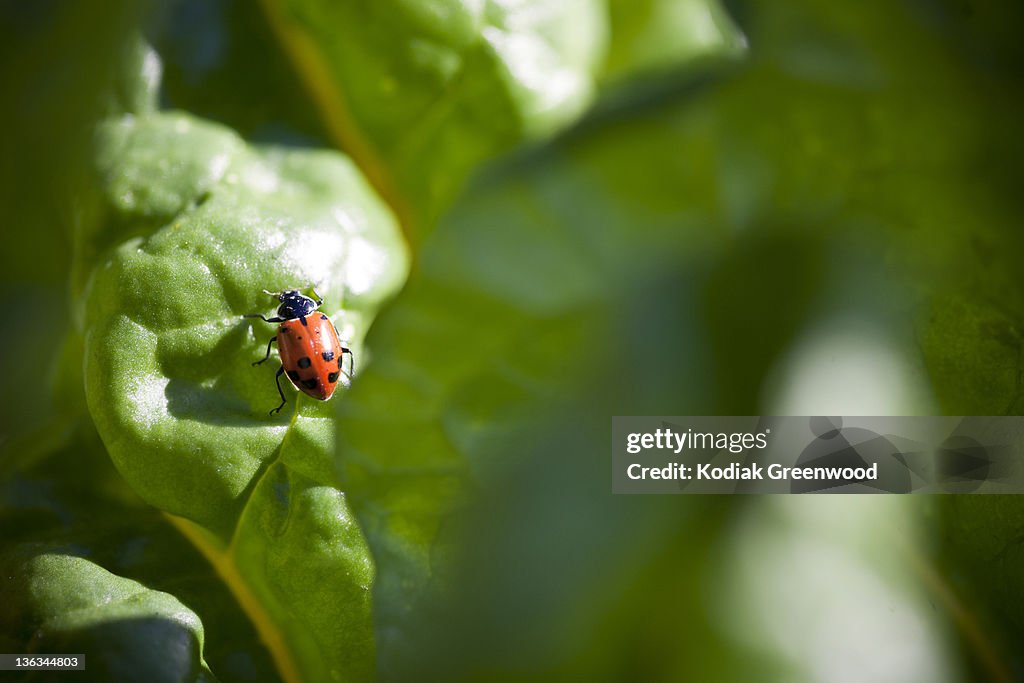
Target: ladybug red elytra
[308, 344]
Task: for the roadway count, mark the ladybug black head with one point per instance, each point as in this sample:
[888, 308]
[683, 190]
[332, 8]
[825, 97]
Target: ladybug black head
[294, 305]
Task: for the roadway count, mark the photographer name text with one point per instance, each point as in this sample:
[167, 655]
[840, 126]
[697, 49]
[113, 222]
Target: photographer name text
[734, 443]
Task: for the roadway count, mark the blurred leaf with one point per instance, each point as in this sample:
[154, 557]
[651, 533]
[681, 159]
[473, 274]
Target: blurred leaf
[659, 260]
[982, 554]
[775, 590]
[565, 279]
[421, 93]
[56, 62]
[659, 35]
[222, 62]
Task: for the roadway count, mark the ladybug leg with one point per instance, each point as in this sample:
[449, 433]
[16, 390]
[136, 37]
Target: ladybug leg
[351, 361]
[351, 356]
[277, 381]
[264, 359]
[317, 297]
[275, 319]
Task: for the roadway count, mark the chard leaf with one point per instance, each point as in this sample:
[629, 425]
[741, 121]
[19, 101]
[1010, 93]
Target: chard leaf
[194, 225]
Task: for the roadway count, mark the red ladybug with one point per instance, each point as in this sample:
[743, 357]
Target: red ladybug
[308, 343]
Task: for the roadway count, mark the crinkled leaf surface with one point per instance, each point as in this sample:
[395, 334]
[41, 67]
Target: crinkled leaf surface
[169, 379]
[197, 223]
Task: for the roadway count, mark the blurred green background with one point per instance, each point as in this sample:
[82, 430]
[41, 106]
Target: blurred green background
[607, 208]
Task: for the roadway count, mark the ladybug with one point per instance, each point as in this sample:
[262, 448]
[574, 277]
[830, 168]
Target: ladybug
[308, 344]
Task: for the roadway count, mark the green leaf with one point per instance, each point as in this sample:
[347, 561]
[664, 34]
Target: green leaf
[169, 380]
[678, 257]
[169, 376]
[982, 556]
[77, 606]
[573, 303]
[421, 93]
[90, 568]
[695, 250]
[660, 35]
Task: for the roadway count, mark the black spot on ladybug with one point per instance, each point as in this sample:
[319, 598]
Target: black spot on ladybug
[312, 383]
[302, 319]
[293, 375]
[332, 377]
[323, 317]
[328, 355]
[283, 330]
[304, 362]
